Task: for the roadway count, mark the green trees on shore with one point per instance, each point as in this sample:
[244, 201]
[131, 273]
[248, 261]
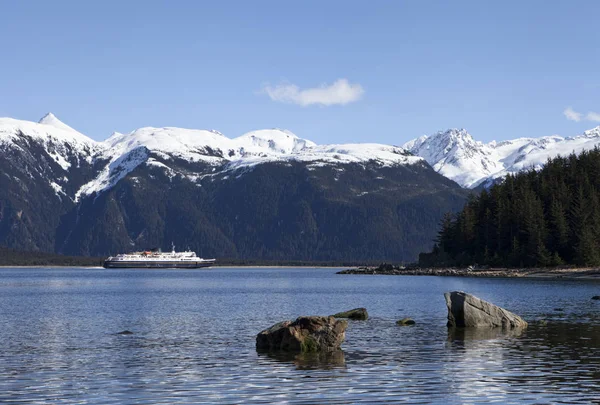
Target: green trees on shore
[535, 218]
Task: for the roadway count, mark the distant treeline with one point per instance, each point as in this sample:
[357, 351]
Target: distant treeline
[549, 217]
[12, 257]
[293, 263]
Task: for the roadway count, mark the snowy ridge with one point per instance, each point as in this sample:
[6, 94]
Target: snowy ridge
[453, 153]
[60, 141]
[50, 119]
[208, 151]
[323, 155]
[188, 144]
[224, 154]
[278, 141]
[456, 155]
[117, 169]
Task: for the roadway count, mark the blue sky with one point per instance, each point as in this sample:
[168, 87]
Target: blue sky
[385, 71]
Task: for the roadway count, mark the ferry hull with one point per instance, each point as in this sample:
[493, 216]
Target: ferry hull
[113, 264]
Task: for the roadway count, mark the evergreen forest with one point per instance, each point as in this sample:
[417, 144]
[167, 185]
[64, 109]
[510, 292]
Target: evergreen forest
[549, 217]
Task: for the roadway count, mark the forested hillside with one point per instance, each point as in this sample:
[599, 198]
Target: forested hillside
[535, 218]
[13, 257]
[275, 212]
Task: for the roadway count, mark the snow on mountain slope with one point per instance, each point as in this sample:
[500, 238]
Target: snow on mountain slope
[456, 155]
[117, 169]
[278, 141]
[322, 155]
[60, 141]
[121, 153]
[188, 144]
[453, 153]
[50, 119]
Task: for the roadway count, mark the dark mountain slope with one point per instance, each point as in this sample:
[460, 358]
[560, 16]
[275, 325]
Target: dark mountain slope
[35, 190]
[276, 211]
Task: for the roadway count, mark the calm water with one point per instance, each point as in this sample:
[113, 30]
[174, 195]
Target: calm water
[194, 335]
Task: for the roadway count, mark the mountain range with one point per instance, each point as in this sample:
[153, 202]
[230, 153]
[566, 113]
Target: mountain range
[266, 195]
[456, 155]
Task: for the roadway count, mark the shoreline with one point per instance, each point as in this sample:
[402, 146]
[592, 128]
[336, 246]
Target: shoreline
[582, 273]
[237, 266]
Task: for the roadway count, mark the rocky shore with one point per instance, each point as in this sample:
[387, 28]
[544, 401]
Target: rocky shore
[473, 271]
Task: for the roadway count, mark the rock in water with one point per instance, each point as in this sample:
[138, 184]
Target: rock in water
[356, 313]
[305, 334]
[596, 297]
[405, 322]
[466, 310]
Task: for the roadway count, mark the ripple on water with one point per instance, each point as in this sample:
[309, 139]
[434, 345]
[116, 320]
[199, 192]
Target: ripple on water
[193, 340]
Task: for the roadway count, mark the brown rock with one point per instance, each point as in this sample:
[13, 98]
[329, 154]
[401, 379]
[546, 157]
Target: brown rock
[405, 322]
[305, 334]
[356, 314]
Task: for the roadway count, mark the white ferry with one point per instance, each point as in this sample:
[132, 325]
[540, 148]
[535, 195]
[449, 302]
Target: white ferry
[157, 260]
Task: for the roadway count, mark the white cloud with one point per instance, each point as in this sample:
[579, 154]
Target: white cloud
[572, 115]
[577, 116]
[340, 92]
[593, 116]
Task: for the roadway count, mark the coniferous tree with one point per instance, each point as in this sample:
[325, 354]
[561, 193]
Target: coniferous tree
[534, 218]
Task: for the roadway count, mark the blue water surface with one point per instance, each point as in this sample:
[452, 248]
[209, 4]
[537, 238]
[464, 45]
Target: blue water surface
[194, 334]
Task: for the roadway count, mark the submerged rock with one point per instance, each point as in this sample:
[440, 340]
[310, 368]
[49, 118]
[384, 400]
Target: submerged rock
[356, 314]
[405, 322]
[305, 334]
[466, 310]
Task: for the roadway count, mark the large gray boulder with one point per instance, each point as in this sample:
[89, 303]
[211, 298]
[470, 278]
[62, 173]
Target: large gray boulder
[305, 334]
[466, 310]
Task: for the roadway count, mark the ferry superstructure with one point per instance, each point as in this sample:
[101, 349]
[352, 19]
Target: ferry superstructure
[157, 259]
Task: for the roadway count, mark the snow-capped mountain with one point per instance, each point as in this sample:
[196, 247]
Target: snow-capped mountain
[49, 151]
[267, 194]
[61, 142]
[212, 153]
[208, 151]
[455, 154]
[62, 191]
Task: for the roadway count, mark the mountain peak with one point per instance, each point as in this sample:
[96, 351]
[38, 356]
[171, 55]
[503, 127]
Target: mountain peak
[455, 154]
[592, 133]
[454, 135]
[50, 119]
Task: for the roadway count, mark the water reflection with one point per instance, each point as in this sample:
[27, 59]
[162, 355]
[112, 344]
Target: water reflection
[308, 361]
[194, 339]
[459, 336]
